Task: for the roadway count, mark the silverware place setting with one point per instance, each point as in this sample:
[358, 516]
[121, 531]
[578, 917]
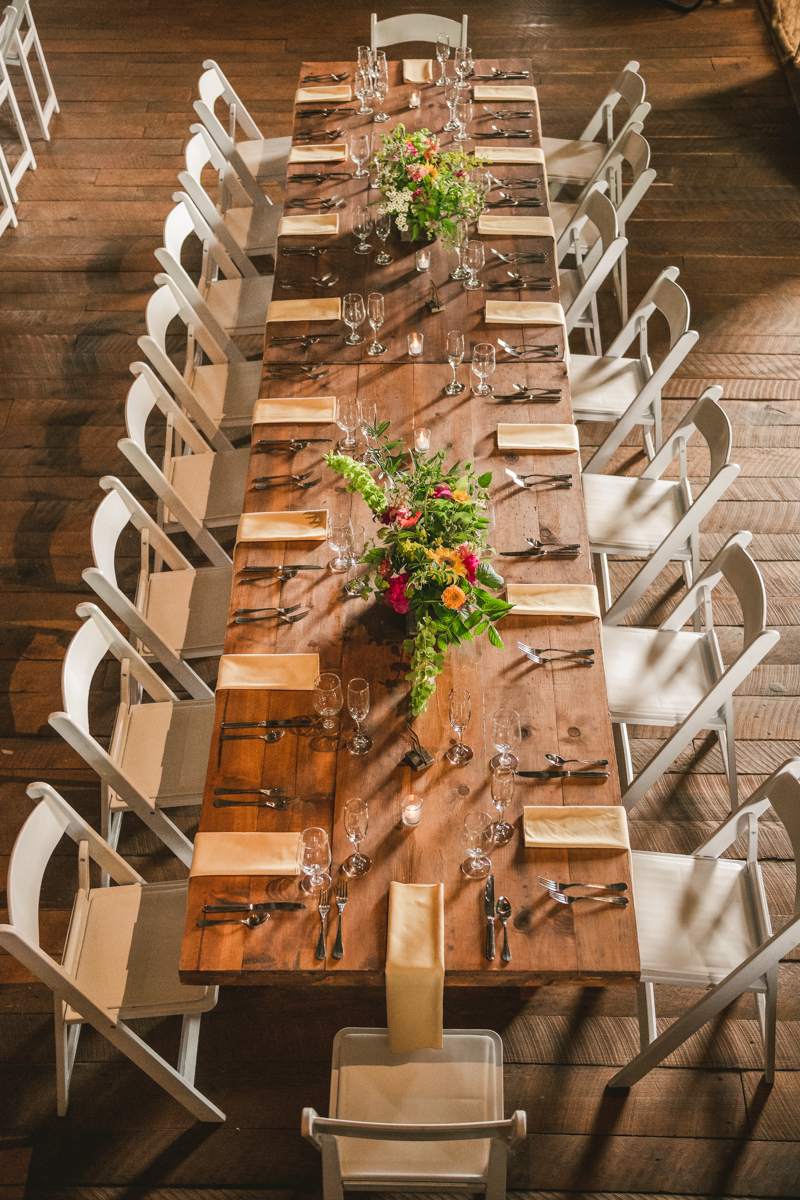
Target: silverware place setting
[334, 201]
[287, 567]
[520, 285]
[313, 281]
[297, 369]
[505, 133]
[543, 552]
[559, 481]
[286, 723]
[548, 351]
[558, 761]
[288, 375]
[556, 649]
[286, 620]
[274, 735]
[510, 115]
[540, 661]
[512, 202]
[496, 73]
[278, 805]
[528, 257]
[320, 177]
[620, 901]
[261, 906]
[551, 885]
[322, 112]
[250, 922]
[526, 183]
[326, 77]
[293, 444]
[563, 774]
[523, 393]
[320, 135]
[249, 791]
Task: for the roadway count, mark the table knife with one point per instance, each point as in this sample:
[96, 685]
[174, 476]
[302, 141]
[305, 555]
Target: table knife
[290, 723]
[563, 774]
[488, 908]
[269, 906]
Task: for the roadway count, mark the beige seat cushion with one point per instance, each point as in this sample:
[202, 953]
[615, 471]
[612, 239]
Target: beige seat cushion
[164, 749]
[240, 304]
[266, 158]
[228, 391]
[189, 609]
[603, 389]
[655, 677]
[212, 485]
[254, 228]
[630, 514]
[574, 161]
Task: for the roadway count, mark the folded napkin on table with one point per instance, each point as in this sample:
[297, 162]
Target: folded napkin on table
[245, 854]
[516, 226]
[313, 225]
[527, 312]
[511, 154]
[415, 966]
[340, 91]
[482, 91]
[282, 410]
[268, 672]
[312, 154]
[417, 70]
[576, 825]
[538, 437]
[554, 599]
[306, 525]
[305, 310]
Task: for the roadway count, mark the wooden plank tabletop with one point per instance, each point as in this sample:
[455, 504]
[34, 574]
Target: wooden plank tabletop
[563, 707]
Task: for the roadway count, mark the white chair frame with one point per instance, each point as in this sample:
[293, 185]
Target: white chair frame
[416, 27]
[593, 265]
[76, 1004]
[16, 50]
[26, 160]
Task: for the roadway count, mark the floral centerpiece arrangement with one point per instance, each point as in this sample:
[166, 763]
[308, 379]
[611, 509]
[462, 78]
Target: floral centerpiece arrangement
[429, 551]
[427, 189]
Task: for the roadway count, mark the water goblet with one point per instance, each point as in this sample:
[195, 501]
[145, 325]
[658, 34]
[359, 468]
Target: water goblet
[367, 420]
[483, 364]
[339, 535]
[455, 356]
[356, 824]
[376, 315]
[452, 96]
[365, 60]
[383, 227]
[463, 62]
[506, 736]
[475, 258]
[362, 86]
[314, 859]
[328, 699]
[355, 584]
[347, 420]
[460, 712]
[353, 314]
[442, 53]
[362, 228]
[380, 87]
[462, 233]
[503, 781]
[463, 114]
[358, 707]
[360, 151]
[476, 838]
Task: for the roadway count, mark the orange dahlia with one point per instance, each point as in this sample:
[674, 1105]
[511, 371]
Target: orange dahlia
[453, 597]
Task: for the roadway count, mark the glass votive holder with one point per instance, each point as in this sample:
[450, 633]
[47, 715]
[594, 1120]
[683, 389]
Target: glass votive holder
[424, 258]
[414, 101]
[415, 343]
[412, 811]
[422, 440]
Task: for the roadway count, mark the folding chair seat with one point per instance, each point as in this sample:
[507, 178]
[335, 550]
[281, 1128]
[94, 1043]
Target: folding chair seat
[121, 956]
[16, 50]
[578, 286]
[675, 678]
[416, 27]
[24, 160]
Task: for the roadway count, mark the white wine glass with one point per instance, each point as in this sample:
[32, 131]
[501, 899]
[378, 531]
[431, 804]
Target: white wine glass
[383, 227]
[463, 62]
[463, 115]
[347, 420]
[358, 707]
[443, 54]
[380, 86]
[475, 259]
[455, 356]
[355, 584]
[353, 314]
[462, 233]
[460, 712]
[339, 534]
[476, 838]
[328, 699]
[362, 86]
[367, 420]
[452, 96]
[356, 824]
[376, 317]
[506, 737]
[483, 364]
[315, 858]
[362, 228]
[503, 783]
[360, 151]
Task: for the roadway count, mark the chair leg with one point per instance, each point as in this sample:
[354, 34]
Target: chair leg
[159, 1070]
[66, 1048]
[727, 744]
[646, 1011]
[603, 580]
[622, 747]
[496, 1171]
[187, 1055]
[658, 437]
[768, 1015]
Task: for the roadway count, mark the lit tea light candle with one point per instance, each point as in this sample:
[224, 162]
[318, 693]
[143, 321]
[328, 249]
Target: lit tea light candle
[412, 811]
[414, 102]
[422, 440]
[424, 259]
[415, 343]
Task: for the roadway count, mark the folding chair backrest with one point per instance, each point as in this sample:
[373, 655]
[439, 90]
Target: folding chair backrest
[711, 422]
[214, 85]
[633, 150]
[628, 86]
[161, 311]
[595, 210]
[416, 27]
[120, 508]
[201, 151]
[664, 296]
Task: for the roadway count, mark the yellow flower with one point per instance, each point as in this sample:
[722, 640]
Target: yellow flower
[453, 597]
[445, 555]
[461, 496]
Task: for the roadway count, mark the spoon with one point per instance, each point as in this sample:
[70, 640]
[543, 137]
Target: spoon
[252, 921]
[558, 761]
[504, 912]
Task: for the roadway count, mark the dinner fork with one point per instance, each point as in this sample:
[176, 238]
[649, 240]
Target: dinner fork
[245, 612]
[542, 662]
[261, 487]
[531, 183]
[341, 900]
[551, 885]
[511, 202]
[508, 116]
[323, 907]
[562, 481]
[559, 649]
[283, 475]
[326, 75]
[520, 258]
[270, 616]
[562, 899]
[322, 135]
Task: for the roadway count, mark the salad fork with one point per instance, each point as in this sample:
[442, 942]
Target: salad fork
[272, 616]
[323, 907]
[244, 612]
[542, 662]
[551, 885]
[520, 258]
[561, 481]
[562, 899]
[531, 183]
[508, 116]
[261, 487]
[341, 900]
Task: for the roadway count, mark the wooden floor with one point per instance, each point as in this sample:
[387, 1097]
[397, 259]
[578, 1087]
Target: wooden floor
[74, 279]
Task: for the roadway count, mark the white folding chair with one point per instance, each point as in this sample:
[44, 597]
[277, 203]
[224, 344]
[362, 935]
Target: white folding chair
[16, 50]
[198, 491]
[121, 957]
[416, 27]
[158, 752]
[578, 286]
[253, 159]
[178, 614]
[703, 922]
[627, 391]
[431, 1120]
[25, 159]
[219, 395]
[7, 196]
[676, 678]
[581, 160]
[235, 305]
[246, 230]
[658, 519]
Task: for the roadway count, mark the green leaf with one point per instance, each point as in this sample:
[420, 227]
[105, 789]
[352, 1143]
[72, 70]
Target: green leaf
[494, 637]
[485, 479]
[489, 577]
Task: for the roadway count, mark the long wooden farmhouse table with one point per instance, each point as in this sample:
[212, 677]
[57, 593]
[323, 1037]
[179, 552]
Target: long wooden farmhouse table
[563, 706]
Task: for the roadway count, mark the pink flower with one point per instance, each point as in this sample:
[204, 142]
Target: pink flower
[405, 520]
[401, 514]
[470, 561]
[388, 515]
[442, 492]
[385, 569]
[395, 595]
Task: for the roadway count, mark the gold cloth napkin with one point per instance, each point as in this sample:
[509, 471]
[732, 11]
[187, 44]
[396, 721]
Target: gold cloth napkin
[245, 854]
[313, 225]
[306, 525]
[576, 825]
[339, 91]
[283, 410]
[482, 91]
[511, 154]
[337, 152]
[516, 226]
[523, 312]
[305, 310]
[417, 70]
[415, 966]
[268, 672]
[554, 599]
[538, 437]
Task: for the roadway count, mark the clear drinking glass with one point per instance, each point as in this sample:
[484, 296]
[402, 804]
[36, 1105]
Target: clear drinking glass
[482, 183]
[463, 115]
[442, 53]
[376, 316]
[356, 824]
[355, 584]
[460, 711]
[474, 260]
[463, 62]
[353, 314]
[461, 271]
[383, 227]
[452, 96]
[362, 228]
[476, 838]
[362, 86]
[503, 781]
[365, 60]
[328, 699]
[367, 419]
[360, 152]
[339, 534]
[347, 420]
[381, 86]
[483, 364]
[455, 356]
[358, 707]
[506, 736]
[315, 858]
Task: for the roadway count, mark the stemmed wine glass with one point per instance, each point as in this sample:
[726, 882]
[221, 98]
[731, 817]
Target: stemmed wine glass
[455, 356]
[356, 824]
[375, 313]
[315, 858]
[355, 584]
[476, 838]
[475, 261]
[463, 62]
[483, 364]
[452, 96]
[367, 419]
[353, 314]
[360, 151]
[328, 699]
[460, 711]
[463, 115]
[462, 230]
[365, 60]
[383, 227]
[380, 85]
[347, 420]
[362, 86]
[482, 183]
[362, 228]
[503, 780]
[442, 53]
[339, 534]
[358, 707]
[506, 735]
